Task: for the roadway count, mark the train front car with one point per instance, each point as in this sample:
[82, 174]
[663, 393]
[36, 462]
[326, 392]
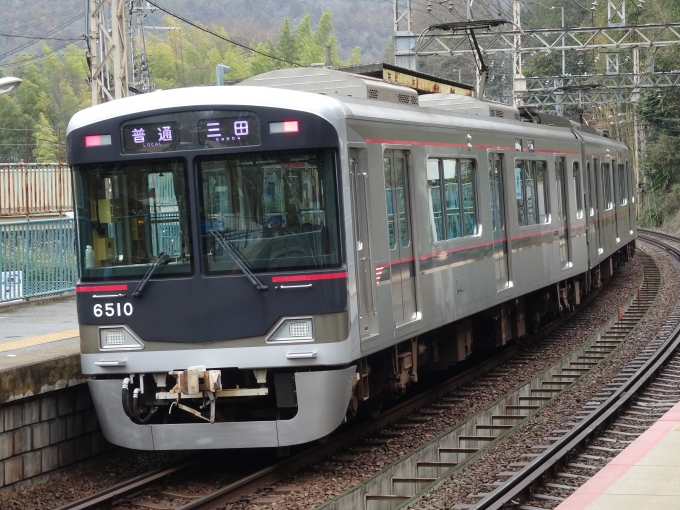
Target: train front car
[213, 283]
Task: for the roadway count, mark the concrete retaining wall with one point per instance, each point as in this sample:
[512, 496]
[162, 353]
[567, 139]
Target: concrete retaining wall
[44, 433]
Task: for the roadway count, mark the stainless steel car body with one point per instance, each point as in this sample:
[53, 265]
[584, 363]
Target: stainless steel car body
[451, 279]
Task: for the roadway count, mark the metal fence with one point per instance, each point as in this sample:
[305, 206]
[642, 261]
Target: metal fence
[37, 258]
[34, 188]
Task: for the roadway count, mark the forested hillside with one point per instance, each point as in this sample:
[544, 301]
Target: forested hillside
[55, 73]
[367, 24]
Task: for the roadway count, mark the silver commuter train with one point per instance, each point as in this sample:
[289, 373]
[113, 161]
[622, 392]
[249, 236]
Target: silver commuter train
[256, 264]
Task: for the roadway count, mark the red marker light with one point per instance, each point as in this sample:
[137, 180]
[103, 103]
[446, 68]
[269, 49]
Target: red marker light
[288, 126]
[97, 140]
[291, 126]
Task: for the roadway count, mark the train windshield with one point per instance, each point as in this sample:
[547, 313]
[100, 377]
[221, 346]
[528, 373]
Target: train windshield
[131, 215]
[274, 211]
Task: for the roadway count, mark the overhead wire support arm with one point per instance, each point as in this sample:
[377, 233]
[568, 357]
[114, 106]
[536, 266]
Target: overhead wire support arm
[618, 38]
[469, 27]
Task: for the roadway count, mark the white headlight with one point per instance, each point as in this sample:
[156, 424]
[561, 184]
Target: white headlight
[118, 338]
[299, 329]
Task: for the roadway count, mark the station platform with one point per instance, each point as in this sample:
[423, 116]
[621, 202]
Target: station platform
[644, 476]
[39, 347]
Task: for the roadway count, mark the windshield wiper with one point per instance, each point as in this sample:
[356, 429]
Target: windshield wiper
[160, 261]
[226, 246]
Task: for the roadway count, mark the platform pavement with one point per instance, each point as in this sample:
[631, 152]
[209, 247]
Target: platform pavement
[644, 476]
[39, 347]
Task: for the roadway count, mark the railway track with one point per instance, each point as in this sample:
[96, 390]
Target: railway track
[185, 487]
[623, 410]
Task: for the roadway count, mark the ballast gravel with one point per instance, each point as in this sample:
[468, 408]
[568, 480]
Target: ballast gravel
[473, 480]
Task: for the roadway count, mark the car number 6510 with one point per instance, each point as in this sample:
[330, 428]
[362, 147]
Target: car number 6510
[112, 309]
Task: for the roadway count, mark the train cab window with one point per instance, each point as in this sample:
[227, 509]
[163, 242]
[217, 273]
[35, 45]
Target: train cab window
[532, 192]
[130, 215]
[607, 186]
[274, 211]
[577, 190]
[623, 184]
[452, 196]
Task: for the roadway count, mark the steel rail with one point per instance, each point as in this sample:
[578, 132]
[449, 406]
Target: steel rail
[599, 417]
[127, 488]
[283, 469]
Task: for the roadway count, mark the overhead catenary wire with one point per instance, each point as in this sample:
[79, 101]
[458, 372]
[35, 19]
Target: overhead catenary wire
[40, 58]
[22, 47]
[208, 31]
[41, 38]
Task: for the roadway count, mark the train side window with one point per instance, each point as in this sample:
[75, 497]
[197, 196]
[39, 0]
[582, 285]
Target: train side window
[542, 192]
[591, 191]
[434, 195]
[577, 190]
[631, 182]
[452, 196]
[607, 186]
[467, 183]
[531, 190]
[391, 234]
[623, 184]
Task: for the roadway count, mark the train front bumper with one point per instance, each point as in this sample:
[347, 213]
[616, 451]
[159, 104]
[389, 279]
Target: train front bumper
[322, 403]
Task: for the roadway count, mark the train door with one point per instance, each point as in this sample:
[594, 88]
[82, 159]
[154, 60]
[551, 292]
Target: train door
[500, 239]
[619, 170]
[562, 216]
[362, 249]
[402, 271]
[632, 212]
[597, 204]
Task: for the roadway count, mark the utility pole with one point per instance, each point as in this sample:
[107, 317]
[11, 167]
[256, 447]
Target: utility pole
[107, 50]
[519, 82]
[559, 107]
[638, 134]
[140, 64]
[404, 38]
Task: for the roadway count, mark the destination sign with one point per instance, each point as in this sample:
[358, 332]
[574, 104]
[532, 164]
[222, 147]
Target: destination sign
[229, 131]
[150, 137]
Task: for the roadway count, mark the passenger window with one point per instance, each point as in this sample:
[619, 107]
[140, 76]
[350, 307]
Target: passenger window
[531, 189]
[391, 236]
[452, 199]
[591, 192]
[607, 186]
[452, 183]
[467, 182]
[434, 194]
[401, 203]
[623, 188]
[577, 190]
[631, 182]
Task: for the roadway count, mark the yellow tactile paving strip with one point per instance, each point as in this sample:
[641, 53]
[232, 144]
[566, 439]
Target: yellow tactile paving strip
[38, 340]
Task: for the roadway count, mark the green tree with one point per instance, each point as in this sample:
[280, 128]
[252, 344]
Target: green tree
[45, 150]
[286, 47]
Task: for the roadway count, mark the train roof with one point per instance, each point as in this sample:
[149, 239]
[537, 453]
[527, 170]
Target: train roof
[334, 108]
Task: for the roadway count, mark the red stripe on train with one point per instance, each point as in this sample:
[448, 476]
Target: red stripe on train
[309, 277]
[100, 288]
